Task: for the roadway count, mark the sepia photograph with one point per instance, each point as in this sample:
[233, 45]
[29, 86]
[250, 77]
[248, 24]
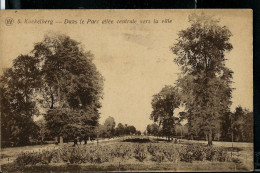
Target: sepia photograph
[126, 90]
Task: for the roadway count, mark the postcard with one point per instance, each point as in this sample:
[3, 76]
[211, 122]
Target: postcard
[126, 90]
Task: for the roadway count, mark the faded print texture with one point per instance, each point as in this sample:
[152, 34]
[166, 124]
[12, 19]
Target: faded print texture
[131, 90]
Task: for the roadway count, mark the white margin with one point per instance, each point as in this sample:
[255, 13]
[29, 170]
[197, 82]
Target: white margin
[2, 5]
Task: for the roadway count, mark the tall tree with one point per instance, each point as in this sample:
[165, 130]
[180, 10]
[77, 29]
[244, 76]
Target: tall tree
[56, 75]
[164, 103]
[205, 80]
[70, 80]
[18, 103]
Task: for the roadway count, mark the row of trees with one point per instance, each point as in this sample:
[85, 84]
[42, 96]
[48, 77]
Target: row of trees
[109, 129]
[204, 85]
[238, 125]
[234, 126]
[180, 131]
[106, 130]
[58, 80]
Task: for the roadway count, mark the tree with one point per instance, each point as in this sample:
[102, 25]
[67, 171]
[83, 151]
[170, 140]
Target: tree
[204, 83]
[249, 127]
[152, 129]
[226, 127]
[237, 125]
[69, 80]
[131, 130]
[145, 133]
[138, 132]
[42, 129]
[242, 125]
[155, 129]
[102, 131]
[149, 129]
[58, 76]
[120, 130]
[18, 103]
[68, 123]
[110, 126]
[126, 130]
[164, 103]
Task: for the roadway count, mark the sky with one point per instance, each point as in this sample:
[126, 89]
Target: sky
[135, 59]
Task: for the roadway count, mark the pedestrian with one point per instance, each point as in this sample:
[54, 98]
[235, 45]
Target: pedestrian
[75, 141]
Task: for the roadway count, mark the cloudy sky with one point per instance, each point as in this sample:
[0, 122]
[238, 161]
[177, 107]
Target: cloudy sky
[135, 59]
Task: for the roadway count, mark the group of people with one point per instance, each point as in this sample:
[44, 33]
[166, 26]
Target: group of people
[79, 139]
[177, 141]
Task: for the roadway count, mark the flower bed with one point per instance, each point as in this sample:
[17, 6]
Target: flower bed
[156, 152]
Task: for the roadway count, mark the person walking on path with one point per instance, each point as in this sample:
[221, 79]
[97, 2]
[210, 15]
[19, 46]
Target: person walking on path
[75, 141]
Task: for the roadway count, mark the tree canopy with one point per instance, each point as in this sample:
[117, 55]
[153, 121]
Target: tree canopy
[164, 103]
[18, 104]
[238, 125]
[205, 81]
[58, 79]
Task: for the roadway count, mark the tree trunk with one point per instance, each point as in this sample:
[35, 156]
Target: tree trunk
[59, 92]
[232, 138]
[181, 132]
[59, 97]
[42, 140]
[61, 140]
[210, 138]
[52, 99]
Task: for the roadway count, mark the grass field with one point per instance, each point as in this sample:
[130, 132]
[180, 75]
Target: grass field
[130, 154]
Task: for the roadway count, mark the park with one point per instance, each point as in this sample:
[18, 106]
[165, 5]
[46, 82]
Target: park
[64, 111]
[130, 153]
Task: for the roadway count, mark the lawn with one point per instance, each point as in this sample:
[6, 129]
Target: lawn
[129, 154]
